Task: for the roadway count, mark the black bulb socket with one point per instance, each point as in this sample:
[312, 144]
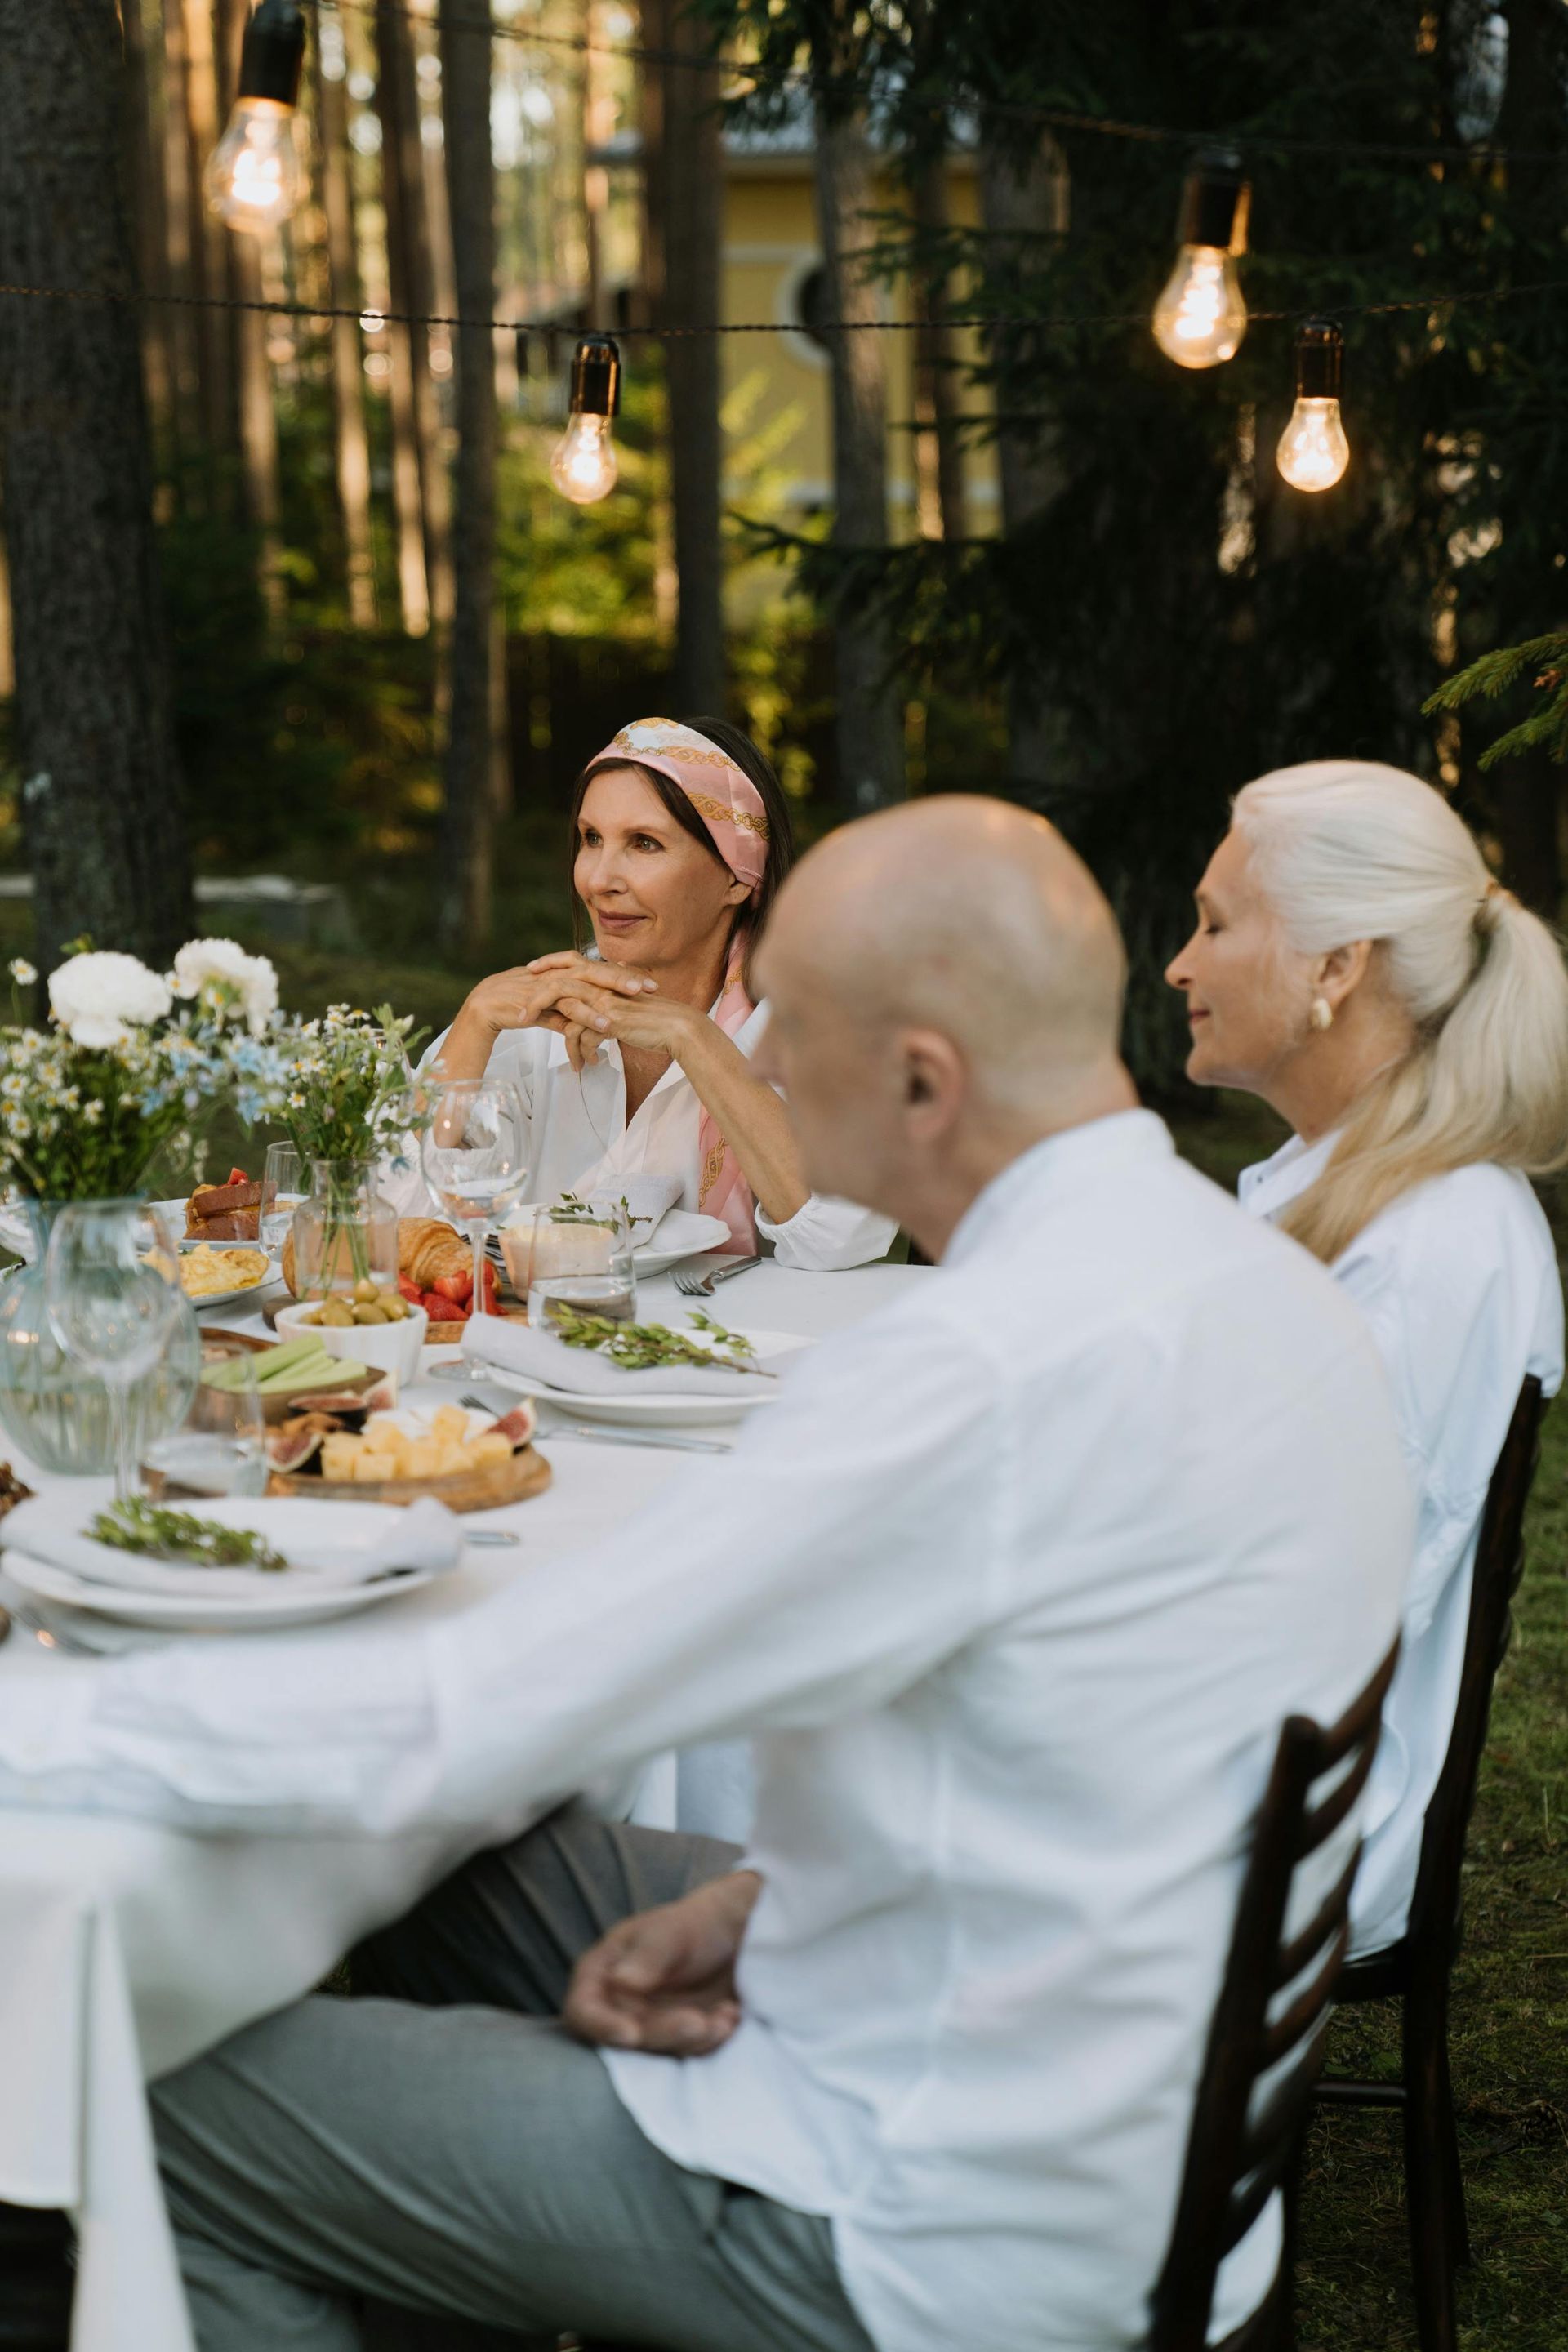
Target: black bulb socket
[1319, 360]
[596, 377]
[1216, 200]
[273, 52]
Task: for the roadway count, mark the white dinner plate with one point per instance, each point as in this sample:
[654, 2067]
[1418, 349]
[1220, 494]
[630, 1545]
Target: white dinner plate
[244, 1290]
[669, 1411]
[174, 1611]
[681, 1233]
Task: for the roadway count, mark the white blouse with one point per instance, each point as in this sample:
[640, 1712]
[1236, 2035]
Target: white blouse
[1459, 1280]
[578, 1126]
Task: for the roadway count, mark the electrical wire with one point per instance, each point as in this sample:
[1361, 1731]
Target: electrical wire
[1002, 323]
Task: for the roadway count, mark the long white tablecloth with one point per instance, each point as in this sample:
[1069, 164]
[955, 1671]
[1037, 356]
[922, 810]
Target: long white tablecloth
[126, 1949]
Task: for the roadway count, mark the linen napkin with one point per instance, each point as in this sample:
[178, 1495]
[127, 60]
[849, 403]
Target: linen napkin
[325, 1544]
[648, 1197]
[539, 1355]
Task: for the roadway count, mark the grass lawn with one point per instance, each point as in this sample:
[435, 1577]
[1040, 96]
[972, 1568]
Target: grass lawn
[1510, 2026]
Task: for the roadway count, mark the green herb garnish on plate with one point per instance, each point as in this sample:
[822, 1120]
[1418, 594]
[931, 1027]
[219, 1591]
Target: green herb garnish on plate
[650, 1346]
[140, 1526]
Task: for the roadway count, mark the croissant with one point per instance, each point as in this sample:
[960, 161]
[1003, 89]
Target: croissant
[427, 1249]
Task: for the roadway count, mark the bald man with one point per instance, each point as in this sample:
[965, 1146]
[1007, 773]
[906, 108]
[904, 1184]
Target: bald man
[1012, 1586]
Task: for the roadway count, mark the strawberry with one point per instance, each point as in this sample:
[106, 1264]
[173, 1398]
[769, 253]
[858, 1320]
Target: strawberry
[411, 1290]
[444, 1310]
[454, 1287]
[237, 1176]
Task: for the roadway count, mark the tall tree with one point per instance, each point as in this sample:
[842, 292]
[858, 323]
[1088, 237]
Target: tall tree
[180, 226]
[350, 439]
[937, 400]
[209, 238]
[686, 194]
[869, 726]
[101, 796]
[468, 822]
[258, 417]
[412, 279]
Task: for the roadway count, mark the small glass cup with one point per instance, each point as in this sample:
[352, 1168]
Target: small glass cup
[220, 1447]
[561, 1258]
[111, 1290]
[283, 1190]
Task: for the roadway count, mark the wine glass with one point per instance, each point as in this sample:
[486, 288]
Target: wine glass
[283, 1187]
[475, 1156]
[111, 1291]
[220, 1445]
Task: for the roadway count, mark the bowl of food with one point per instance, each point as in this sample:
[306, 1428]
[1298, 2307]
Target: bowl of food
[372, 1324]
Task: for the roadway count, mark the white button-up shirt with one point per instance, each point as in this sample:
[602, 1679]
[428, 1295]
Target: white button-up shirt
[1016, 1582]
[578, 1127]
[1459, 1280]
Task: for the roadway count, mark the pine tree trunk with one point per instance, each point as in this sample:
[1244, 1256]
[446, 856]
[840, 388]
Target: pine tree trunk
[143, 115]
[351, 440]
[413, 580]
[253, 370]
[937, 373]
[869, 722]
[693, 176]
[1020, 203]
[179, 217]
[410, 266]
[468, 831]
[209, 250]
[101, 796]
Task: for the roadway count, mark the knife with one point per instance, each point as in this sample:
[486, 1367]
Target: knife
[634, 1437]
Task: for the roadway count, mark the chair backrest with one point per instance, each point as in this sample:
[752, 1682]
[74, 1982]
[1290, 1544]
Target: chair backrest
[1500, 1562]
[1265, 2052]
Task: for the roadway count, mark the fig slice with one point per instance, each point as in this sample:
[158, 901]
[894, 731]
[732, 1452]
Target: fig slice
[296, 1446]
[516, 1426]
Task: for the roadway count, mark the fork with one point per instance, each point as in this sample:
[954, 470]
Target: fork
[693, 1285]
[617, 1438]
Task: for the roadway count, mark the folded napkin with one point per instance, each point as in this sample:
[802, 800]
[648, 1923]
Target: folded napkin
[647, 1198]
[540, 1356]
[325, 1544]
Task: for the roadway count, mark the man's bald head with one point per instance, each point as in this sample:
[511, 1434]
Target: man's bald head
[954, 948]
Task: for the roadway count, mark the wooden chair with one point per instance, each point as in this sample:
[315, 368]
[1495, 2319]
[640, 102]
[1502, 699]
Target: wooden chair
[1416, 1969]
[1262, 2060]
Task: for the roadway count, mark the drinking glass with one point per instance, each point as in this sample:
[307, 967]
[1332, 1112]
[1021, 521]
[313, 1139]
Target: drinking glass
[584, 1262]
[220, 1447]
[283, 1190]
[475, 1156]
[111, 1291]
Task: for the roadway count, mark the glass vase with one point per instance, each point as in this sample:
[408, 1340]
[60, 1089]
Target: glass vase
[55, 1412]
[345, 1233]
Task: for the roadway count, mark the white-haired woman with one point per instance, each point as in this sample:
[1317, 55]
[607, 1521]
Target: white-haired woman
[1356, 965]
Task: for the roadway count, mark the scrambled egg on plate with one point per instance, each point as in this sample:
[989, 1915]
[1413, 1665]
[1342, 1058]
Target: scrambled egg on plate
[204, 1271]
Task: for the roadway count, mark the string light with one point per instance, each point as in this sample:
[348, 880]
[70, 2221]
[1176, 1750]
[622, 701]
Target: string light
[1313, 451]
[1200, 318]
[254, 177]
[585, 465]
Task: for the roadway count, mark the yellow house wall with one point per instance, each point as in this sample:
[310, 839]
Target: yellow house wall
[770, 244]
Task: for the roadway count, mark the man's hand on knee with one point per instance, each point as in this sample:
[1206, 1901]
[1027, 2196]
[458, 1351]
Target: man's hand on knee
[665, 1980]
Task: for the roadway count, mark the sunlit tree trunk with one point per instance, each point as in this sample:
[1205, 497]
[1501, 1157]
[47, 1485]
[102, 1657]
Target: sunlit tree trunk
[411, 276]
[179, 225]
[351, 440]
[937, 376]
[252, 367]
[693, 196]
[209, 251]
[413, 581]
[101, 796]
[468, 831]
[869, 719]
[1023, 201]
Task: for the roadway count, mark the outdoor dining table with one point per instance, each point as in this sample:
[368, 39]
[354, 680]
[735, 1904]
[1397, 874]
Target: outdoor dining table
[127, 1948]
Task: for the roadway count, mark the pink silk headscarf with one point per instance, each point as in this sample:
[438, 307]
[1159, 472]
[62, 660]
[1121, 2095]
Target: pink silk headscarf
[732, 809]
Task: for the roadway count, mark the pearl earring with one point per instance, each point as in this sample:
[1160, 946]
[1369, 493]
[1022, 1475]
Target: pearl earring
[1321, 1015]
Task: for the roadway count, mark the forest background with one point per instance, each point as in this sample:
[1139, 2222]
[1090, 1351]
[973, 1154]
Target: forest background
[292, 592]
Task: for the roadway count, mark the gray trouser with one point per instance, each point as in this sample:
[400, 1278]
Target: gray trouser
[448, 2148]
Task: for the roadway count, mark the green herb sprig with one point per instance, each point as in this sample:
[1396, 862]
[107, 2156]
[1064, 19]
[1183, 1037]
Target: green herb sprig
[648, 1346]
[135, 1526]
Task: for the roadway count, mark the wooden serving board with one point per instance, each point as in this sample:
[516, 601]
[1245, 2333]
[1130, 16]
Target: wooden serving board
[526, 1474]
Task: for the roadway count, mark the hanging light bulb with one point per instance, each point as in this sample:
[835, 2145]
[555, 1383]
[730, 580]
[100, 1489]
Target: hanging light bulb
[1200, 318]
[254, 178]
[583, 465]
[1313, 451]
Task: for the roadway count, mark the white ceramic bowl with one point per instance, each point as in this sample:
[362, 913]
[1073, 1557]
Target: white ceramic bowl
[388, 1347]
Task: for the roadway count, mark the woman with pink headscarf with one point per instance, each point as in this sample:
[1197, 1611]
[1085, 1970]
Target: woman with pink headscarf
[635, 1061]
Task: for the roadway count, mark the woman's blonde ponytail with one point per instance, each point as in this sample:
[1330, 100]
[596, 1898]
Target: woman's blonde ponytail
[1349, 850]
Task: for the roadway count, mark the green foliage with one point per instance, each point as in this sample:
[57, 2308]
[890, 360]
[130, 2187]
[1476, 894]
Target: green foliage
[1491, 675]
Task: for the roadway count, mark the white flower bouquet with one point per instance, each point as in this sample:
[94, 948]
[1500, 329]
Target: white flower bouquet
[86, 1103]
